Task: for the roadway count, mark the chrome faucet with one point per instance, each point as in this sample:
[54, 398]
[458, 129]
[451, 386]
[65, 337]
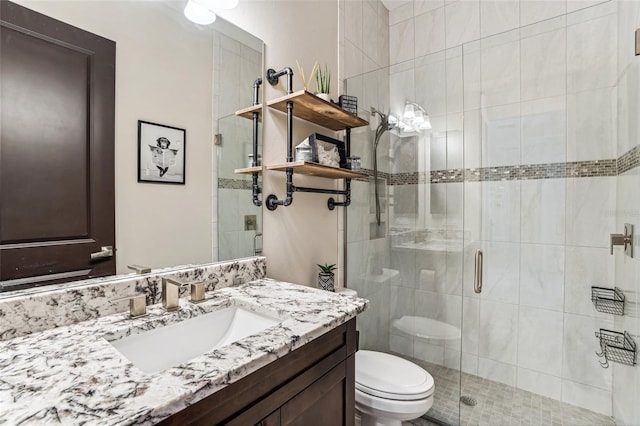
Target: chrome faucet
[137, 305]
[171, 293]
[139, 269]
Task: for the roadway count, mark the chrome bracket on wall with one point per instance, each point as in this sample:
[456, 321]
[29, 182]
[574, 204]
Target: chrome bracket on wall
[625, 240]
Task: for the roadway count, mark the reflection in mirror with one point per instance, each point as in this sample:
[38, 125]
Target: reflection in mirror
[164, 69]
[239, 219]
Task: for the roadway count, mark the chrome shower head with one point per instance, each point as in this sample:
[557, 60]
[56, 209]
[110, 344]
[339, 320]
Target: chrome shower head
[387, 122]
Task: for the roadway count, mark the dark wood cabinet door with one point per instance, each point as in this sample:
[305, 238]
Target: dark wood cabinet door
[322, 403]
[57, 102]
[271, 420]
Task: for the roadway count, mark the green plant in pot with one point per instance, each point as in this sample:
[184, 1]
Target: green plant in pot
[323, 83]
[326, 277]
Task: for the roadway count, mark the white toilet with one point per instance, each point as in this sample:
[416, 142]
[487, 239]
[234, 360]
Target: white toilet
[389, 389]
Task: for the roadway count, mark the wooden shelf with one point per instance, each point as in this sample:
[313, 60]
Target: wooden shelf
[248, 112]
[315, 169]
[248, 170]
[311, 108]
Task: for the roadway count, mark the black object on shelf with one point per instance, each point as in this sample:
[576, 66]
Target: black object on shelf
[608, 300]
[342, 153]
[617, 347]
[348, 103]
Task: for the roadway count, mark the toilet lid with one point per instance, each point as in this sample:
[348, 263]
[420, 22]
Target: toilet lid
[391, 377]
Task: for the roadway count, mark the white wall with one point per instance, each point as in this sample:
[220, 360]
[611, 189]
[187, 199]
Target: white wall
[297, 237]
[163, 75]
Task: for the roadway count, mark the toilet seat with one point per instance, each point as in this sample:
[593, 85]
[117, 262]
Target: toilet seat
[390, 377]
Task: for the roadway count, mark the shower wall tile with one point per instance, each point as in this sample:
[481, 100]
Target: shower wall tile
[401, 13]
[469, 364]
[591, 120]
[429, 32]
[501, 211]
[430, 84]
[586, 267]
[423, 6]
[580, 363]
[626, 394]
[544, 64]
[428, 352]
[462, 22]
[501, 272]
[498, 333]
[628, 18]
[590, 211]
[370, 31]
[497, 16]
[353, 22]
[455, 92]
[532, 11]
[591, 54]
[543, 211]
[402, 301]
[540, 341]
[542, 384]
[584, 9]
[353, 66]
[497, 371]
[627, 108]
[401, 42]
[594, 399]
[542, 276]
[470, 325]
[472, 138]
[500, 69]
[543, 127]
[472, 81]
[441, 307]
[401, 345]
[501, 135]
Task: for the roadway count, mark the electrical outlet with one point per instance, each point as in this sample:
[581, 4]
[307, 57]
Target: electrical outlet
[250, 222]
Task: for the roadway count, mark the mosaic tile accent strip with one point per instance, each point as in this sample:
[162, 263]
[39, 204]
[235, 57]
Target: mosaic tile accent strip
[629, 160]
[234, 183]
[576, 169]
[497, 404]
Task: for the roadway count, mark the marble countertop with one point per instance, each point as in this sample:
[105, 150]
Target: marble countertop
[72, 375]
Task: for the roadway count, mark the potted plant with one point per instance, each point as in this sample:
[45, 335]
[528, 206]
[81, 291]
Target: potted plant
[323, 83]
[326, 277]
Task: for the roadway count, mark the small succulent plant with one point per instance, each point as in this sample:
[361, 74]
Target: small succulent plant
[326, 268]
[323, 79]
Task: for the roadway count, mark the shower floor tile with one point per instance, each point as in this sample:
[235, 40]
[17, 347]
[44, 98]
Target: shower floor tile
[497, 404]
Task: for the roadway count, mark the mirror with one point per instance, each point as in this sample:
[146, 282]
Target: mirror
[173, 72]
[239, 219]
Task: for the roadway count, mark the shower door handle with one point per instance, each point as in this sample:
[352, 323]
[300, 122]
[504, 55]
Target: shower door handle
[477, 273]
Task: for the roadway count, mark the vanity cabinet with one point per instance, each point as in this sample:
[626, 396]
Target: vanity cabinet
[312, 385]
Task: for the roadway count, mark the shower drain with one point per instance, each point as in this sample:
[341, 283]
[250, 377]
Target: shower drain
[467, 400]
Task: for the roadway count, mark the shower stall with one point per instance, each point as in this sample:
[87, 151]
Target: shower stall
[531, 162]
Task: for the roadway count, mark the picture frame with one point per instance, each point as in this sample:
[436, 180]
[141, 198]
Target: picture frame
[319, 141]
[161, 153]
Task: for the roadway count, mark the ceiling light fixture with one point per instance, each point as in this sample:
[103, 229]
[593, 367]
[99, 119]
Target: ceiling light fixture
[201, 12]
[414, 119]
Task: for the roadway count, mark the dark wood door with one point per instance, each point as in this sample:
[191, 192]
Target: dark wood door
[57, 102]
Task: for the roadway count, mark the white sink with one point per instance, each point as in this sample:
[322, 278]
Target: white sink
[156, 350]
